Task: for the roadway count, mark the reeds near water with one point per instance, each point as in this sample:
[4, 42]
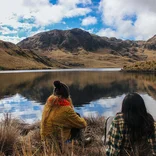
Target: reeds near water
[18, 138]
[141, 66]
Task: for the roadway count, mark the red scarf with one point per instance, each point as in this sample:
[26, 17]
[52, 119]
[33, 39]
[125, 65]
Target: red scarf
[59, 101]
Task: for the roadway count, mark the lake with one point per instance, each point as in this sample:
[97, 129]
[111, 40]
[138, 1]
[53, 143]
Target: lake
[95, 92]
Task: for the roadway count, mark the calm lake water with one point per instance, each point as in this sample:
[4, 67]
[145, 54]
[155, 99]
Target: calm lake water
[93, 91]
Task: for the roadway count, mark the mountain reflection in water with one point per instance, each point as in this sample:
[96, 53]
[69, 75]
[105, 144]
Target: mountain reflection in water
[93, 93]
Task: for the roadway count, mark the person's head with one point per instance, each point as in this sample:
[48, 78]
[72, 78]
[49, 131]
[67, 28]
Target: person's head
[133, 103]
[139, 121]
[61, 89]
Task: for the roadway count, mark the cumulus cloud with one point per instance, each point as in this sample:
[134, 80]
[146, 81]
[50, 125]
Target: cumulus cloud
[78, 12]
[13, 39]
[129, 19]
[108, 32]
[42, 12]
[73, 3]
[6, 31]
[90, 20]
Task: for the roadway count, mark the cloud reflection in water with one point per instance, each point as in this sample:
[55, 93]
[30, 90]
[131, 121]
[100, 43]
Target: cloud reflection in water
[20, 107]
[31, 111]
[110, 106]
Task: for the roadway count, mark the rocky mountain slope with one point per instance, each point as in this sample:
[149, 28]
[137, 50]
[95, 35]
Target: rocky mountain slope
[13, 57]
[75, 39]
[79, 48]
[151, 43]
[74, 48]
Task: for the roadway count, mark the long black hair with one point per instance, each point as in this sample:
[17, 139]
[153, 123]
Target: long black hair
[139, 122]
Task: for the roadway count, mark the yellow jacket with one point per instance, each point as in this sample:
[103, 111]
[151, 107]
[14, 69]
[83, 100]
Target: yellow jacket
[58, 118]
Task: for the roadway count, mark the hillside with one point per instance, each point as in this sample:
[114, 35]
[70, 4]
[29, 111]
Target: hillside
[78, 48]
[74, 48]
[142, 66]
[151, 43]
[13, 57]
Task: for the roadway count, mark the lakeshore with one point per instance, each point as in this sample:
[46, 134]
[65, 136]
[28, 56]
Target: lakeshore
[18, 138]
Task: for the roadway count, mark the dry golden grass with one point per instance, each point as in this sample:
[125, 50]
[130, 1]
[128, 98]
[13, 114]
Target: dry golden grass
[151, 54]
[17, 138]
[9, 61]
[142, 66]
[80, 59]
[85, 59]
[99, 59]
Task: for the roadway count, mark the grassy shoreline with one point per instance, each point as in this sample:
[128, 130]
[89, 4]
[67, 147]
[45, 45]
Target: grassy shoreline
[18, 138]
[141, 67]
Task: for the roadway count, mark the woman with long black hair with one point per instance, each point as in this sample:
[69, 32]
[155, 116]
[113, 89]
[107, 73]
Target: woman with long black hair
[133, 130]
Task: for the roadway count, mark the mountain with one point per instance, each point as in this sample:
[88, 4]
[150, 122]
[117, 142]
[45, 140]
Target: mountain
[151, 43]
[73, 40]
[79, 48]
[13, 57]
[74, 48]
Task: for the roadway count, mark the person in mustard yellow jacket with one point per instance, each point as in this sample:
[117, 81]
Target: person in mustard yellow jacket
[59, 117]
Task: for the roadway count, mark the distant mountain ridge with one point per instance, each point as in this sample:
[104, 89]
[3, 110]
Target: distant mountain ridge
[76, 39]
[74, 48]
[72, 40]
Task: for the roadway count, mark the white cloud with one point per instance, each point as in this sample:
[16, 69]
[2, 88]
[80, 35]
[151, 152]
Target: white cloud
[118, 15]
[13, 39]
[41, 29]
[73, 3]
[90, 20]
[78, 12]
[108, 32]
[90, 30]
[5, 31]
[42, 11]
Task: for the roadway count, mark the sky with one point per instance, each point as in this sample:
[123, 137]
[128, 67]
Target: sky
[124, 19]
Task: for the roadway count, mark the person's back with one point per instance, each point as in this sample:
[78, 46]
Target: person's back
[133, 131]
[60, 120]
[59, 117]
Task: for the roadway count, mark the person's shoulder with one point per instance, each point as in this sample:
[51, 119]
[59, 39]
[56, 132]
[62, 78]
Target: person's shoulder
[118, 119]
[119, 116]
[51, 98]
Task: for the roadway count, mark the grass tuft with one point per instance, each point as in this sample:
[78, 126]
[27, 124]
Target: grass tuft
[18, 138]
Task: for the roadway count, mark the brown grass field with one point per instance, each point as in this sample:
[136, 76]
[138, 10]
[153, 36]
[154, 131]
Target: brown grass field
[18, 138]
[141, 66]
[62, 59]
[100, 59]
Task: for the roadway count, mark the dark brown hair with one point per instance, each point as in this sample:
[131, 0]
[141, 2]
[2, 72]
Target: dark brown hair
[140, 123]
[61, 89]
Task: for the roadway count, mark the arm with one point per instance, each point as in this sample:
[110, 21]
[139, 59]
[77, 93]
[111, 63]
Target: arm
[113, 144]
[74, 121]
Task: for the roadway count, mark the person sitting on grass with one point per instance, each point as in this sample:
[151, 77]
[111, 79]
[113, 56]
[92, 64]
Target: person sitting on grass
[133, 130]
[59, 118]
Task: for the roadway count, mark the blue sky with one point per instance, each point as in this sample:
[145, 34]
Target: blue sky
[124, 19]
